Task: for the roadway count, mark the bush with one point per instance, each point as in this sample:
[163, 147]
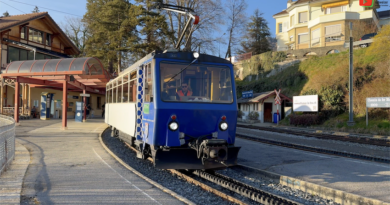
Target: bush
[304, 120]
[240, 114]
[254, 115]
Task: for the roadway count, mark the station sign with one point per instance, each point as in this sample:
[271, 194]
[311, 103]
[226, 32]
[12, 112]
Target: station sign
[379, 102]
[305, 103]
[85, 95]
[247, 94]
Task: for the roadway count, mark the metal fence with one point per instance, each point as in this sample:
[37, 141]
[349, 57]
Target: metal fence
[7, 141]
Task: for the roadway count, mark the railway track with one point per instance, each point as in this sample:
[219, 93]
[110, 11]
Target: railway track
[314, 149]
[228, 183]
[360, 140]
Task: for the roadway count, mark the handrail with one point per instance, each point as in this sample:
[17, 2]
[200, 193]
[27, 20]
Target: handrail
[7, 141]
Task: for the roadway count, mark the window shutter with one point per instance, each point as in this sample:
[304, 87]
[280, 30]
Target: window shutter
[285, 26]
[303, 17]
[315, 37]
[303, 38]
[334, 30]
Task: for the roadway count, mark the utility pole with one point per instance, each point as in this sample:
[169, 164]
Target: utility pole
[350, 122]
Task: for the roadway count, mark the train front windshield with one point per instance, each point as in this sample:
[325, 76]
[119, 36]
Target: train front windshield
[196, 84]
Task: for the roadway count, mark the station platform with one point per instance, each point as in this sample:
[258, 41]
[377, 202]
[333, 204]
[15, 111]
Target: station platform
[71, 167]
[313, 130]
[363, 178]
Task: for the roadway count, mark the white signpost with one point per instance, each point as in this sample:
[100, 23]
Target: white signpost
[305, 103]
[379, 102]
[278, 102]
[85, 95]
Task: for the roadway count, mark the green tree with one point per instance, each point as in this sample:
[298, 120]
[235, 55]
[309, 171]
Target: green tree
[256, 39]
[154, 29]
[112, 31]
[6, 14]
[36, 10]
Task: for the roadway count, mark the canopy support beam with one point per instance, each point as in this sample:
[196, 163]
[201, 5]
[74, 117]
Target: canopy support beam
[64, 105]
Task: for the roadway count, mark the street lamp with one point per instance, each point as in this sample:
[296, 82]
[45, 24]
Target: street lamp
[219, 46]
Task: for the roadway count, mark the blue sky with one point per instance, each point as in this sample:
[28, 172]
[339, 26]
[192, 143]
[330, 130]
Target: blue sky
[78, 8]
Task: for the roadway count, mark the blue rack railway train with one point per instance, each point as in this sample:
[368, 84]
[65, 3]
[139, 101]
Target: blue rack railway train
[179, 108]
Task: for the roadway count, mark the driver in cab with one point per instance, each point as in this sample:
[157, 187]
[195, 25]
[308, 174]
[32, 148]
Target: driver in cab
[183, 92]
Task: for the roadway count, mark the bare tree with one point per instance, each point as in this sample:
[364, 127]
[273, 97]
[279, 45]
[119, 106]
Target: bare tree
[200, 35]
[236, 21]
[75, 29]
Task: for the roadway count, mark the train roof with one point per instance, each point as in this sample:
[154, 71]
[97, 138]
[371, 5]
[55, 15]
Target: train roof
[177, 55]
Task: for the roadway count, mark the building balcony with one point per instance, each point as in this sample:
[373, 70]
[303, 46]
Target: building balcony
[340, 16]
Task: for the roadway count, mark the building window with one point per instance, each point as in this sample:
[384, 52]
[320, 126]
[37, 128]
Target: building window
[48, 39]
[315, 37]
[303, 17]
[303, 38]
[23, 34]
[333, 33]
[35, 35]
[335, 9]
[280, 28]
[292, 20]
[291, 38]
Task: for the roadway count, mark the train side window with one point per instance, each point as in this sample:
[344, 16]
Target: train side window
[149, 83]
[133, 91]
[114, 92]
[126, 84]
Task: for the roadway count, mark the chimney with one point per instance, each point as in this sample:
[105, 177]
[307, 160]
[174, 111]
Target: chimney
[289, 3]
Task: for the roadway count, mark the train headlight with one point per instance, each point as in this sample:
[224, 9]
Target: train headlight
[223, 126]
[173, 126]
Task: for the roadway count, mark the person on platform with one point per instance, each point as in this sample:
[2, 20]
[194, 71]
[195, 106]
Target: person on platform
[103, 109]
[184, 91]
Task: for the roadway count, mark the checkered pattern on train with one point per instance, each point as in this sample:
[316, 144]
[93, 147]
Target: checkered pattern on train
[140, 100]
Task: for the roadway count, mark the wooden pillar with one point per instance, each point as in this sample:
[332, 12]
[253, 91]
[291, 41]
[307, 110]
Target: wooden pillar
[85, 106]
[23, 98]
[64, 105]
[29, 100]
[1, 96]
[16, 106]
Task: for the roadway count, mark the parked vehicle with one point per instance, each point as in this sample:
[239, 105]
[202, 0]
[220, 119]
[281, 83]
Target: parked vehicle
[367, 37]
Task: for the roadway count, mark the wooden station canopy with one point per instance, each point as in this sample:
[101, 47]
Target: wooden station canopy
[67, 74]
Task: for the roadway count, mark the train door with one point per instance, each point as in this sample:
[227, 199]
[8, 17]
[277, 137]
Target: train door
[148, 106]
[267, 112]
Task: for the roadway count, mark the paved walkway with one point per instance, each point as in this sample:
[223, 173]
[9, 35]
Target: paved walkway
[70, 166]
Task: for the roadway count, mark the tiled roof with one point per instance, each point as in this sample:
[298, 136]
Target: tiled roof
[282, 12]
[14, 20]
[384, 14]
[256, 97]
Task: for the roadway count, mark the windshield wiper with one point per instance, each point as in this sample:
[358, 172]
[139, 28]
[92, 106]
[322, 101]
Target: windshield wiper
[182, 70]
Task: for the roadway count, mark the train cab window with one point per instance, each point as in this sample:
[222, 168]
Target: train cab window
[148, 83]
[197, 84]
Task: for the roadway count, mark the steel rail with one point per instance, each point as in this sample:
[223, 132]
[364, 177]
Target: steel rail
[314, 149]
[197, 183]
[360, 140]
[246, 190]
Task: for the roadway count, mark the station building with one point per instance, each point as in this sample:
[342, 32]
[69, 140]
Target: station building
[264, 104]
[37, 70]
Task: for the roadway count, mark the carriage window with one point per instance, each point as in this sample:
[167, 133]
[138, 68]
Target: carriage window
[197, 83]
[133, 91]
[149, 83]
[120, 94]
[114, 92]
